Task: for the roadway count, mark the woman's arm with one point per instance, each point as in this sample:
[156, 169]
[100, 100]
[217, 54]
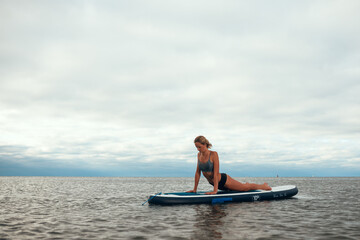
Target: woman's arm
[215, 159]
[197, 178]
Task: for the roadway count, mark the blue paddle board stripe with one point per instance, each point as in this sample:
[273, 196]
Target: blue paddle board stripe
[203, 193]
[221, 200]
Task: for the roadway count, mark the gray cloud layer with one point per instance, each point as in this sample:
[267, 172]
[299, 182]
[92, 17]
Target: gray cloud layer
[97, 83]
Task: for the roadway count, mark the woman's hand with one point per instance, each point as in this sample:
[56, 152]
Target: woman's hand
[211, 193]
[192, 191]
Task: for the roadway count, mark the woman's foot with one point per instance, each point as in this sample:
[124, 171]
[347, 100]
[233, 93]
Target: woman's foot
[266, 186]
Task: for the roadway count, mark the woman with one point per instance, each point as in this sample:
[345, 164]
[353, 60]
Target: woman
[208, 163]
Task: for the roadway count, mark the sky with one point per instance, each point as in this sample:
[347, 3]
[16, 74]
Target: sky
[122, 88]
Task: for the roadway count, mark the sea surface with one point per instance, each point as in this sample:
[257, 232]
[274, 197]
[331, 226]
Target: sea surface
[111, 208]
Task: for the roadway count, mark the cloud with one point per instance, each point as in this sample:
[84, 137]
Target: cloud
[114, 85]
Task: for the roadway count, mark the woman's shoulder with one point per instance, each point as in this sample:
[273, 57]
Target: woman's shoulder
[213, 153]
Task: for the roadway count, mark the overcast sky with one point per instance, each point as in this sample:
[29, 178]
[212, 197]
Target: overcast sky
[122, 88]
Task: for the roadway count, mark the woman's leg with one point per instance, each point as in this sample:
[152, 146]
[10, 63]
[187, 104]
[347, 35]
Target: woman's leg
[234, 185]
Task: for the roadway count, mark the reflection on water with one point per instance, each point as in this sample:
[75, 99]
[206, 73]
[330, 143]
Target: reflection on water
[225, 221]
[209, 221]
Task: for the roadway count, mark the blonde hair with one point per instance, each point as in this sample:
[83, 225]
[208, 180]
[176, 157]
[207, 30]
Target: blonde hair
[203, 140]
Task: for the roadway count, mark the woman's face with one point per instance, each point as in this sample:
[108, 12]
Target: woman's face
[200, 147]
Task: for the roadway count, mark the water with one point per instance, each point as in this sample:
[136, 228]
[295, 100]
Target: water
[111, 208]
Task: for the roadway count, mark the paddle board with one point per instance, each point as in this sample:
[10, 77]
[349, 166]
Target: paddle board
[276, 193]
